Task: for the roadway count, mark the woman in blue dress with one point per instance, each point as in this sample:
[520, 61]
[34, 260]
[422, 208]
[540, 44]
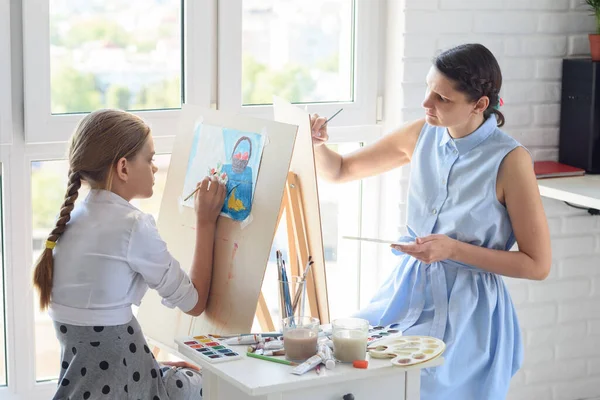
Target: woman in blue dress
[472, 195]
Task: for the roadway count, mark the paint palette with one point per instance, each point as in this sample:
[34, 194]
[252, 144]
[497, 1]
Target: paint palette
[206, 349]
[378, 333]
[408, 350]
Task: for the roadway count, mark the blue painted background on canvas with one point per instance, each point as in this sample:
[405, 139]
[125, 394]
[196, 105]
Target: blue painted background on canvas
[193, 151]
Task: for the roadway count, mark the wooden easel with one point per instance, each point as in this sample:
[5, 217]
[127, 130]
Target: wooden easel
[299, 251]
[299, 247]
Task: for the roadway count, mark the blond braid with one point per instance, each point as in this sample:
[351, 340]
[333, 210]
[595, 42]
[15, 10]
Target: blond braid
[44, 268]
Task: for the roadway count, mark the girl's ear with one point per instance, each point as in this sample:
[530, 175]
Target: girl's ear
[122, 169]
[481, 105]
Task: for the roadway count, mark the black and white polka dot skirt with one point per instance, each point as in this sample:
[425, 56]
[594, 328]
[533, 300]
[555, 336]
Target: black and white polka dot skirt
[114, 362]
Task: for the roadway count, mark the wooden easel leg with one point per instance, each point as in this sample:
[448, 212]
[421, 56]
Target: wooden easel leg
[295, 208]
[156, 352]
[293, 253]
[263, 315]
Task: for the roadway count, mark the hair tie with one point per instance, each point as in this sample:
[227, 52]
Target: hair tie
[50, 244]
[500, 104]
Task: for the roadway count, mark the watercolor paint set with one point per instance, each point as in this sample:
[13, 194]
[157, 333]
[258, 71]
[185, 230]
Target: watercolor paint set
[378, 333]
[408, 350]
[206, 349]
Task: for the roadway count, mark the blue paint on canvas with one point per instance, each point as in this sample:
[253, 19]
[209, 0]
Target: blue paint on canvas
[243, 152]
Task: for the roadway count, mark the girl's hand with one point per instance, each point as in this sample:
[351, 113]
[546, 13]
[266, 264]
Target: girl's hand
[318, 129]
[429, 249]
[181, 364]
[209, 200]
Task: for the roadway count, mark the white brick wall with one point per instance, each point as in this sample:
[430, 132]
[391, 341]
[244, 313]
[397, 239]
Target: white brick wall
[560, 317]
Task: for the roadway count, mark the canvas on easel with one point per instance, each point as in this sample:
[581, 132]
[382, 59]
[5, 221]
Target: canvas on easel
[252, 157]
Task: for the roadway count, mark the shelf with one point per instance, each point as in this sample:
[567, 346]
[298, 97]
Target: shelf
[580, 190]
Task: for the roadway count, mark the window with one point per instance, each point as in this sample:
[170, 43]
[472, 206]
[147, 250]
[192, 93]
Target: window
[109, 54]
[341, 215]
[5, 81]
[305, 52]
[299, 50]
[48, 186]
[84, 55]
[2, 306]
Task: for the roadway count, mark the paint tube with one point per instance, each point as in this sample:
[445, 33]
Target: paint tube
[274, 345]
[245, 339]
[326, 342]
[280, 352]
[326, 356]
[307, 365]
[256, 348]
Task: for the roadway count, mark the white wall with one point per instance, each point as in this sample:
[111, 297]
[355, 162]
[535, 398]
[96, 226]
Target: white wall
[560, 317]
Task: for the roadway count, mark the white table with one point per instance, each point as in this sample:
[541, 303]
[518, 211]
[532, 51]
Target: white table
[254, 379]
[580, 190]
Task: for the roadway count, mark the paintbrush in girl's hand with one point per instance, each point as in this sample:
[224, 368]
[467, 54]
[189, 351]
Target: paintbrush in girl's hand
[228, 193]
[191, 194]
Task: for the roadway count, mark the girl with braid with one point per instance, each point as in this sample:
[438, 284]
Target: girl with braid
[102, 257]
[472, 195]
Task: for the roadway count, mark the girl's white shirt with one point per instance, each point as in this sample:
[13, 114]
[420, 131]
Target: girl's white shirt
[105, 261]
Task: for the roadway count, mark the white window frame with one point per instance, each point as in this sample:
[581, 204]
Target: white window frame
[362, 111]
[41, 126]
[370, 219]
[20, 327]
[5, 82]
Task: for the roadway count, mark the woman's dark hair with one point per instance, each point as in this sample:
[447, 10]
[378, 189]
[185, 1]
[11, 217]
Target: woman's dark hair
[476, 73]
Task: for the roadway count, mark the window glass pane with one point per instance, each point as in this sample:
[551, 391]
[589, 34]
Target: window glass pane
[48, 187]
[2, 308]
[115, 53]
[299, 50]
[340, 216]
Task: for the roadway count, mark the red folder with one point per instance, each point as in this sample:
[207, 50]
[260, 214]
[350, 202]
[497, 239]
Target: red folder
[553, 169]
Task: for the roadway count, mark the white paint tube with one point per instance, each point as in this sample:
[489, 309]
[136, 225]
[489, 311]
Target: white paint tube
[326, 356]
[274, 345]
[245, 339]
[307, 365]
[280, 352]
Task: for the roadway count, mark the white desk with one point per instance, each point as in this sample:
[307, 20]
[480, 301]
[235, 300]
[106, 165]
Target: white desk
[253, 379]
[579, 190]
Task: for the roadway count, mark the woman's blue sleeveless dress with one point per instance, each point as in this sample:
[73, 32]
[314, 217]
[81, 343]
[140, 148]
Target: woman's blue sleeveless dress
[453, 192]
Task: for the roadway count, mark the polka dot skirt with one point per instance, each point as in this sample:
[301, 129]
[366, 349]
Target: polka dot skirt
[115, 362]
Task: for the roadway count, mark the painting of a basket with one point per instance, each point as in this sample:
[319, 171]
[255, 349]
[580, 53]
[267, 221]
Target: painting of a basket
[238, 202]
[239, 161]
